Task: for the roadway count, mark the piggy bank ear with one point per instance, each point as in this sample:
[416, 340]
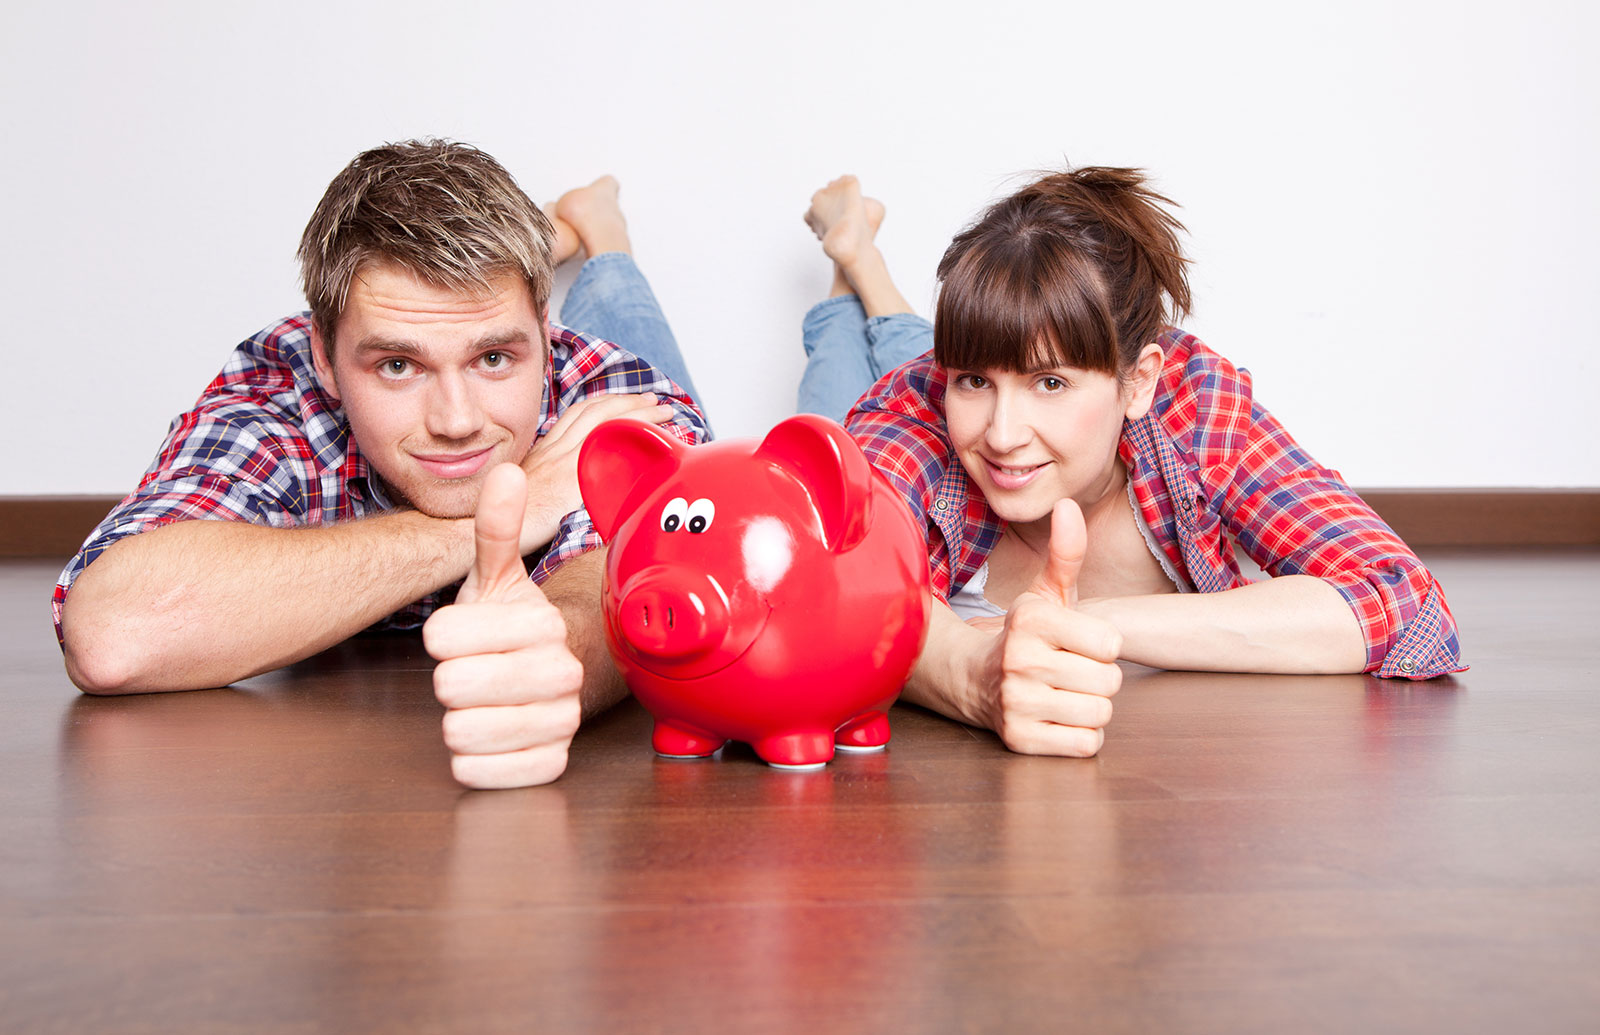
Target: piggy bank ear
[618, 457]
[826, 460]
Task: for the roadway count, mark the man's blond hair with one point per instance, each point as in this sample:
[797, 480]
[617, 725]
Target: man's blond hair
[444, 211]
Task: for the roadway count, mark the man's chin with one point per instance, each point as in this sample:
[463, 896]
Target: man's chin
[448, 500]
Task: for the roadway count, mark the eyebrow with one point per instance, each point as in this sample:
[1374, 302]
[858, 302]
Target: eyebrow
[404, 347]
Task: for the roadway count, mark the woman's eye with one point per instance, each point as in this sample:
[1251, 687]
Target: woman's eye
[971, 381]
[1053, 384]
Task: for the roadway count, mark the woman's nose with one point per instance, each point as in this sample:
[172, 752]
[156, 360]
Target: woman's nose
[1007, 428]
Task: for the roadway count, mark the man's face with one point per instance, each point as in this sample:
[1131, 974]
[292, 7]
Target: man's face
[439, 386]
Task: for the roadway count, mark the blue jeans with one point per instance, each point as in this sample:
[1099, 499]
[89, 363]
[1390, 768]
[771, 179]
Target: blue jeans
[846, 352]
[612, 300]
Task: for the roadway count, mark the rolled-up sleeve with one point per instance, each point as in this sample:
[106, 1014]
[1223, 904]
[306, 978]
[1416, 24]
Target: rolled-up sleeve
[1295, 517]
[615, 371]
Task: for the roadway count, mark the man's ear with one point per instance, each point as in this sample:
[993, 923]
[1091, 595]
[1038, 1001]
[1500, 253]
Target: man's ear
[323, 363]
[1141, 384]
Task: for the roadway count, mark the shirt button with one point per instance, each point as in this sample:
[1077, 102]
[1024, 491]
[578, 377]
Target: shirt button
[1408, 665]
[941, 504]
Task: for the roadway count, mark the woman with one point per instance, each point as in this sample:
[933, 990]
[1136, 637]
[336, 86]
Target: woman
[1084, 468]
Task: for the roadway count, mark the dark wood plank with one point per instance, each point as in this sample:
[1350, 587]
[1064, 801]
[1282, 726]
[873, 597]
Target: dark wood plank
[1247, 854]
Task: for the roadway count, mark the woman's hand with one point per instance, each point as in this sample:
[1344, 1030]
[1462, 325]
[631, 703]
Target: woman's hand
[1046, 683]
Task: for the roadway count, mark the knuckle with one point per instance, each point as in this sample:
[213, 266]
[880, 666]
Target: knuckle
[513, 769]
[437, 633]
[1089, 743]
[1014, 735]
[1014, 653]
[568, 677]
[449, 686]
[569, 716]
[460, 732]
[1025, 615]
[555, 622]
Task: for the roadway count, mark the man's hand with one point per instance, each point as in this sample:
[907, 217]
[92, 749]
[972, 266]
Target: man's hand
[552, 463]
[505, 671]
[1052, 671]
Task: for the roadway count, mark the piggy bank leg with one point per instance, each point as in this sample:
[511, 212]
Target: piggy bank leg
[796, 750]
[866, 732]
[676, 740]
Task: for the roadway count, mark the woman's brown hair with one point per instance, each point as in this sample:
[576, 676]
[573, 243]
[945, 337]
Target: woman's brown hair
[1079, 268]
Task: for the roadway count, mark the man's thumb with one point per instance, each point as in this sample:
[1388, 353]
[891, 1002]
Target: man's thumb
[1069, 540]
[497, 529]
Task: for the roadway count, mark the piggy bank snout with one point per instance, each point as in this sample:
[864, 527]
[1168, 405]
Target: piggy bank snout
[670, 621]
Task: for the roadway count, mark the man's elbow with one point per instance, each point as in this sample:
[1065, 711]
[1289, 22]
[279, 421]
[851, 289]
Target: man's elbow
[99, 665]
[104, 656]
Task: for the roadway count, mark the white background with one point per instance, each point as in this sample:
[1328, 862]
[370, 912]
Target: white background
[1392, 206]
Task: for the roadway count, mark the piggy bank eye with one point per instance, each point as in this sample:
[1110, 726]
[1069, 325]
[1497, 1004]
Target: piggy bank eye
[701, 513]
[673, 516]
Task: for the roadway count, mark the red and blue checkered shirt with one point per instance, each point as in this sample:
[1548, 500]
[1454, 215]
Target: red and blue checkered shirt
[1207, 464]
[265, 444]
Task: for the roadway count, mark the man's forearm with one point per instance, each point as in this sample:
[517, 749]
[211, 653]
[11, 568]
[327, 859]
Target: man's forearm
[206, 603]
[574, 589]
[1291, 624]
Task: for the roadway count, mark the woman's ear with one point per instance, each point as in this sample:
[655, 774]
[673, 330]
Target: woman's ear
[1141, 383]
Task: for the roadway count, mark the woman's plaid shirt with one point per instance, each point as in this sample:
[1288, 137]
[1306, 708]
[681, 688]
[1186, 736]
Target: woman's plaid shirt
[1207, 463]
[265, 444]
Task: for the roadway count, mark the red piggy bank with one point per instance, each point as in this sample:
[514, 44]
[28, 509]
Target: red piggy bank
[773, 593]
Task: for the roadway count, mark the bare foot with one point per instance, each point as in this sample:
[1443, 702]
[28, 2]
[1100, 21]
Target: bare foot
[845, 222]
[595, 216]
[565, 244]
[847, 225]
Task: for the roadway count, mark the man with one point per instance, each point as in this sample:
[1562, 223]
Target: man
[337, 462]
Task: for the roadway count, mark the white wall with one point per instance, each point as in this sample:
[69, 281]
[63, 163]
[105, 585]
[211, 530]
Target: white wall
[1392, 206]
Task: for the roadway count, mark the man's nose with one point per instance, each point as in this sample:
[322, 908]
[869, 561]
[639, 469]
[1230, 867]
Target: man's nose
[453, 409]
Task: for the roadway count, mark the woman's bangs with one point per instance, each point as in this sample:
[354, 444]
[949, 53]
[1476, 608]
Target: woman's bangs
[1007, 316]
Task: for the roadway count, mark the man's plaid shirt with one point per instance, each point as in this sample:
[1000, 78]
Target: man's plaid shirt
[1206, 463]
[265, 444]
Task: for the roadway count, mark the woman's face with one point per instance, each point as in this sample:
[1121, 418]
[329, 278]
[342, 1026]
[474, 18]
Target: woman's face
[1029, 440]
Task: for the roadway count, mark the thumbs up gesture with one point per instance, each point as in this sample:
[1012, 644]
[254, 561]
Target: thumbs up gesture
[505, 673]
[1052, 671]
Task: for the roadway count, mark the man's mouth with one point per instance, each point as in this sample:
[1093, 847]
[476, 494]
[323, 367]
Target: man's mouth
[1005, 476]
[451, 466]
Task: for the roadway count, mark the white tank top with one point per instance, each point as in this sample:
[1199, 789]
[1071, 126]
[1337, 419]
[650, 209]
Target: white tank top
[969, 601]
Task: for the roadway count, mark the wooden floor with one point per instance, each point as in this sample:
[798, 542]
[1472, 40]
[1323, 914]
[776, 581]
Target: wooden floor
[1258, 854]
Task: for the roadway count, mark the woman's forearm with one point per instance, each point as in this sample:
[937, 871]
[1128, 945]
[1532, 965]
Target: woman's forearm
[944, 679]
[1291, 624]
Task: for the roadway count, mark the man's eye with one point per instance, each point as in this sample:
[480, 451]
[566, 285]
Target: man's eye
[395, 367]
[494, 360]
